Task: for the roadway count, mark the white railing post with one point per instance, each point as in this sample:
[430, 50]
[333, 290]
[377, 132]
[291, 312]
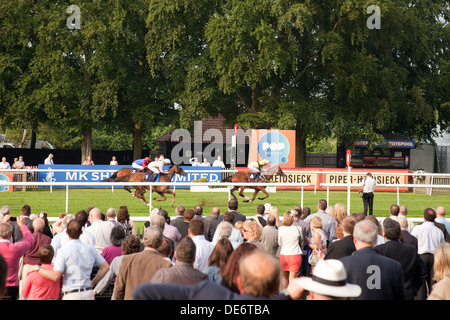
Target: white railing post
[328, 194]
[302, 199]
[431, 189]
[67, 199]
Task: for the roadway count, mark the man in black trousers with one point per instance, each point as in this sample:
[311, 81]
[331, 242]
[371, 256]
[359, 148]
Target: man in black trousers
[368, 189]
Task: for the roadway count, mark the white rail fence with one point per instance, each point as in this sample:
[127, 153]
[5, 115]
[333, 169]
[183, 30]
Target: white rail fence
[431, 186]
[228, 185]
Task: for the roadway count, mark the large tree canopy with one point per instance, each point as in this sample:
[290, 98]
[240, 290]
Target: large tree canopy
[316, 66]
[313, 66]
[79, 68]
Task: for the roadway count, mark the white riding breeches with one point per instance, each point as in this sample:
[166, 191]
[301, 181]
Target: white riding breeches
[136, 166]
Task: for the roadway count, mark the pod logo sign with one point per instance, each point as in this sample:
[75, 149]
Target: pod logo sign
[6, 178]
[275, 147]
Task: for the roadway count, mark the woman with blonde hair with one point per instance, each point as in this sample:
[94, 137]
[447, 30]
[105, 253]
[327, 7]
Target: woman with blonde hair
[289, 238]
[273, 211]
[253, 232]
[318, 241]
[441, 268]
[339, 213]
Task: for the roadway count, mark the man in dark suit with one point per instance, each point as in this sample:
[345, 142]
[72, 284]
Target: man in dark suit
[345, 247]
[211, 223]
[414, 269]
[260, 215]
[379, 277]
[178, 221]
[441, 226]
[406, 236]
[232, 207]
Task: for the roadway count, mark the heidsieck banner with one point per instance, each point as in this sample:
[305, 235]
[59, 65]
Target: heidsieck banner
[98, 173]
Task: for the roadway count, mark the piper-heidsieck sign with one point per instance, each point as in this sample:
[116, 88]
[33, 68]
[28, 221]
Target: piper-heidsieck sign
[298, 175]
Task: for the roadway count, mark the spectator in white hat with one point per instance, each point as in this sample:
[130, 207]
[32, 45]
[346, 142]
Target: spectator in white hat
[328, 282]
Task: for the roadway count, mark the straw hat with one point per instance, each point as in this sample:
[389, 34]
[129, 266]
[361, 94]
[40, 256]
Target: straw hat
[330, 279]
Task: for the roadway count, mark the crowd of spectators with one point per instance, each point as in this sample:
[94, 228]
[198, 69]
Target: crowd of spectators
[302, 253]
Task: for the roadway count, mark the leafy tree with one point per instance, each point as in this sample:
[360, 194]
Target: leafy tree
[312, 66]
[80, 69]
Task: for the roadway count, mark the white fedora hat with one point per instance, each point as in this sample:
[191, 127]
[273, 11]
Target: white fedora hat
[330, 279]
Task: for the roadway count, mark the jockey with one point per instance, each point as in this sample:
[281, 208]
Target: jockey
[141, 164]
[256, 167]
[157, 167]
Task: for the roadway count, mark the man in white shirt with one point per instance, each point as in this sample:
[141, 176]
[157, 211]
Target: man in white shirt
[49, 159]
[219, 163]
[100, 229]
[204, 248]
[194, 162]
[368, 188]
[4, 164]
[205, 163]
[428, 238]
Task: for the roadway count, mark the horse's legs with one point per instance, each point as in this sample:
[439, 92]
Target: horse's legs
[262, 189]
[127, 188]
[163, 197]
[168, 191]
[241, 193]
[233, 190]
[141, 195]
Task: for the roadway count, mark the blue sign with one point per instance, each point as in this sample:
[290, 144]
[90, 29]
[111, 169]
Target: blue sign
[99, 176]
[275, 147]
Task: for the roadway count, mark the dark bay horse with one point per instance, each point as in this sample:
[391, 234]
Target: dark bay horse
[266, 176]
[161, 190]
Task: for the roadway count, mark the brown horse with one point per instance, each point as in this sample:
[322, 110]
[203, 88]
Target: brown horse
[161, 190]
[266, 176]
[123, 175]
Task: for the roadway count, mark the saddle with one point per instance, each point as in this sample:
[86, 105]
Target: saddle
[149, 177]
[255, 176]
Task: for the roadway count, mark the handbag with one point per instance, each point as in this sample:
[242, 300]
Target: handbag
[314, 257]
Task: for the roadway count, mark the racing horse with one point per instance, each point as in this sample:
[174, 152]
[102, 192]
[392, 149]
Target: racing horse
[246, 177]
[123, 175]
[161, 190]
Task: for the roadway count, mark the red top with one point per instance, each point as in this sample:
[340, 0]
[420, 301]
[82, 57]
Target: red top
[36, 287]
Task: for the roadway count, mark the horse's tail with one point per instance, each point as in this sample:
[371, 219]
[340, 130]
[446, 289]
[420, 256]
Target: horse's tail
[111, 178]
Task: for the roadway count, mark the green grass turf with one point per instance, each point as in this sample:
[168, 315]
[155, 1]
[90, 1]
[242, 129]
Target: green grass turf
[54, 203]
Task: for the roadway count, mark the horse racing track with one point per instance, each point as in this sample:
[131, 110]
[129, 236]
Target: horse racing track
[54, 203]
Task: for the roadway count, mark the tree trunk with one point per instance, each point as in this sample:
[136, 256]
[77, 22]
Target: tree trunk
[86, 144]
[256, 103]
[33, 138]
[137, 141]
[24, 137]
[300, 147]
